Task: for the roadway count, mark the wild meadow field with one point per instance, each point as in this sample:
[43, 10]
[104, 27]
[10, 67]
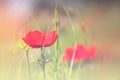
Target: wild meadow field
[59, 40]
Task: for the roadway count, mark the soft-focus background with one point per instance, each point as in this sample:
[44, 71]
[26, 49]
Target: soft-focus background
[19, 16]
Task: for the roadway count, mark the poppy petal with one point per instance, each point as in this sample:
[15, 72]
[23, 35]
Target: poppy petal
[34, 39]
[91, 53]
[50, 38]
[68, 54]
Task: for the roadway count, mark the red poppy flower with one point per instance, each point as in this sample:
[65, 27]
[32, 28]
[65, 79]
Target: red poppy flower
[81, 53]
[36, 39]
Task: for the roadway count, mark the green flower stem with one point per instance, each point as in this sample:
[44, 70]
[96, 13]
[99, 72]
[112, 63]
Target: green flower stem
[57, 57]
[27, 56]
[56, 16]
[57, 42]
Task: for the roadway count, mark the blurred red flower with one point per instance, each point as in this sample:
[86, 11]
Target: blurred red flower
[81, 53]
[86, 24]
[36, 39]
[90, 52]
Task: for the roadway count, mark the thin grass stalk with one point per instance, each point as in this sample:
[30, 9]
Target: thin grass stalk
[75, 39]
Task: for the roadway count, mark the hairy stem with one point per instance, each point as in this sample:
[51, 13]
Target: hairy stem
[27, 56]
[43, 68]
[43, 62]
